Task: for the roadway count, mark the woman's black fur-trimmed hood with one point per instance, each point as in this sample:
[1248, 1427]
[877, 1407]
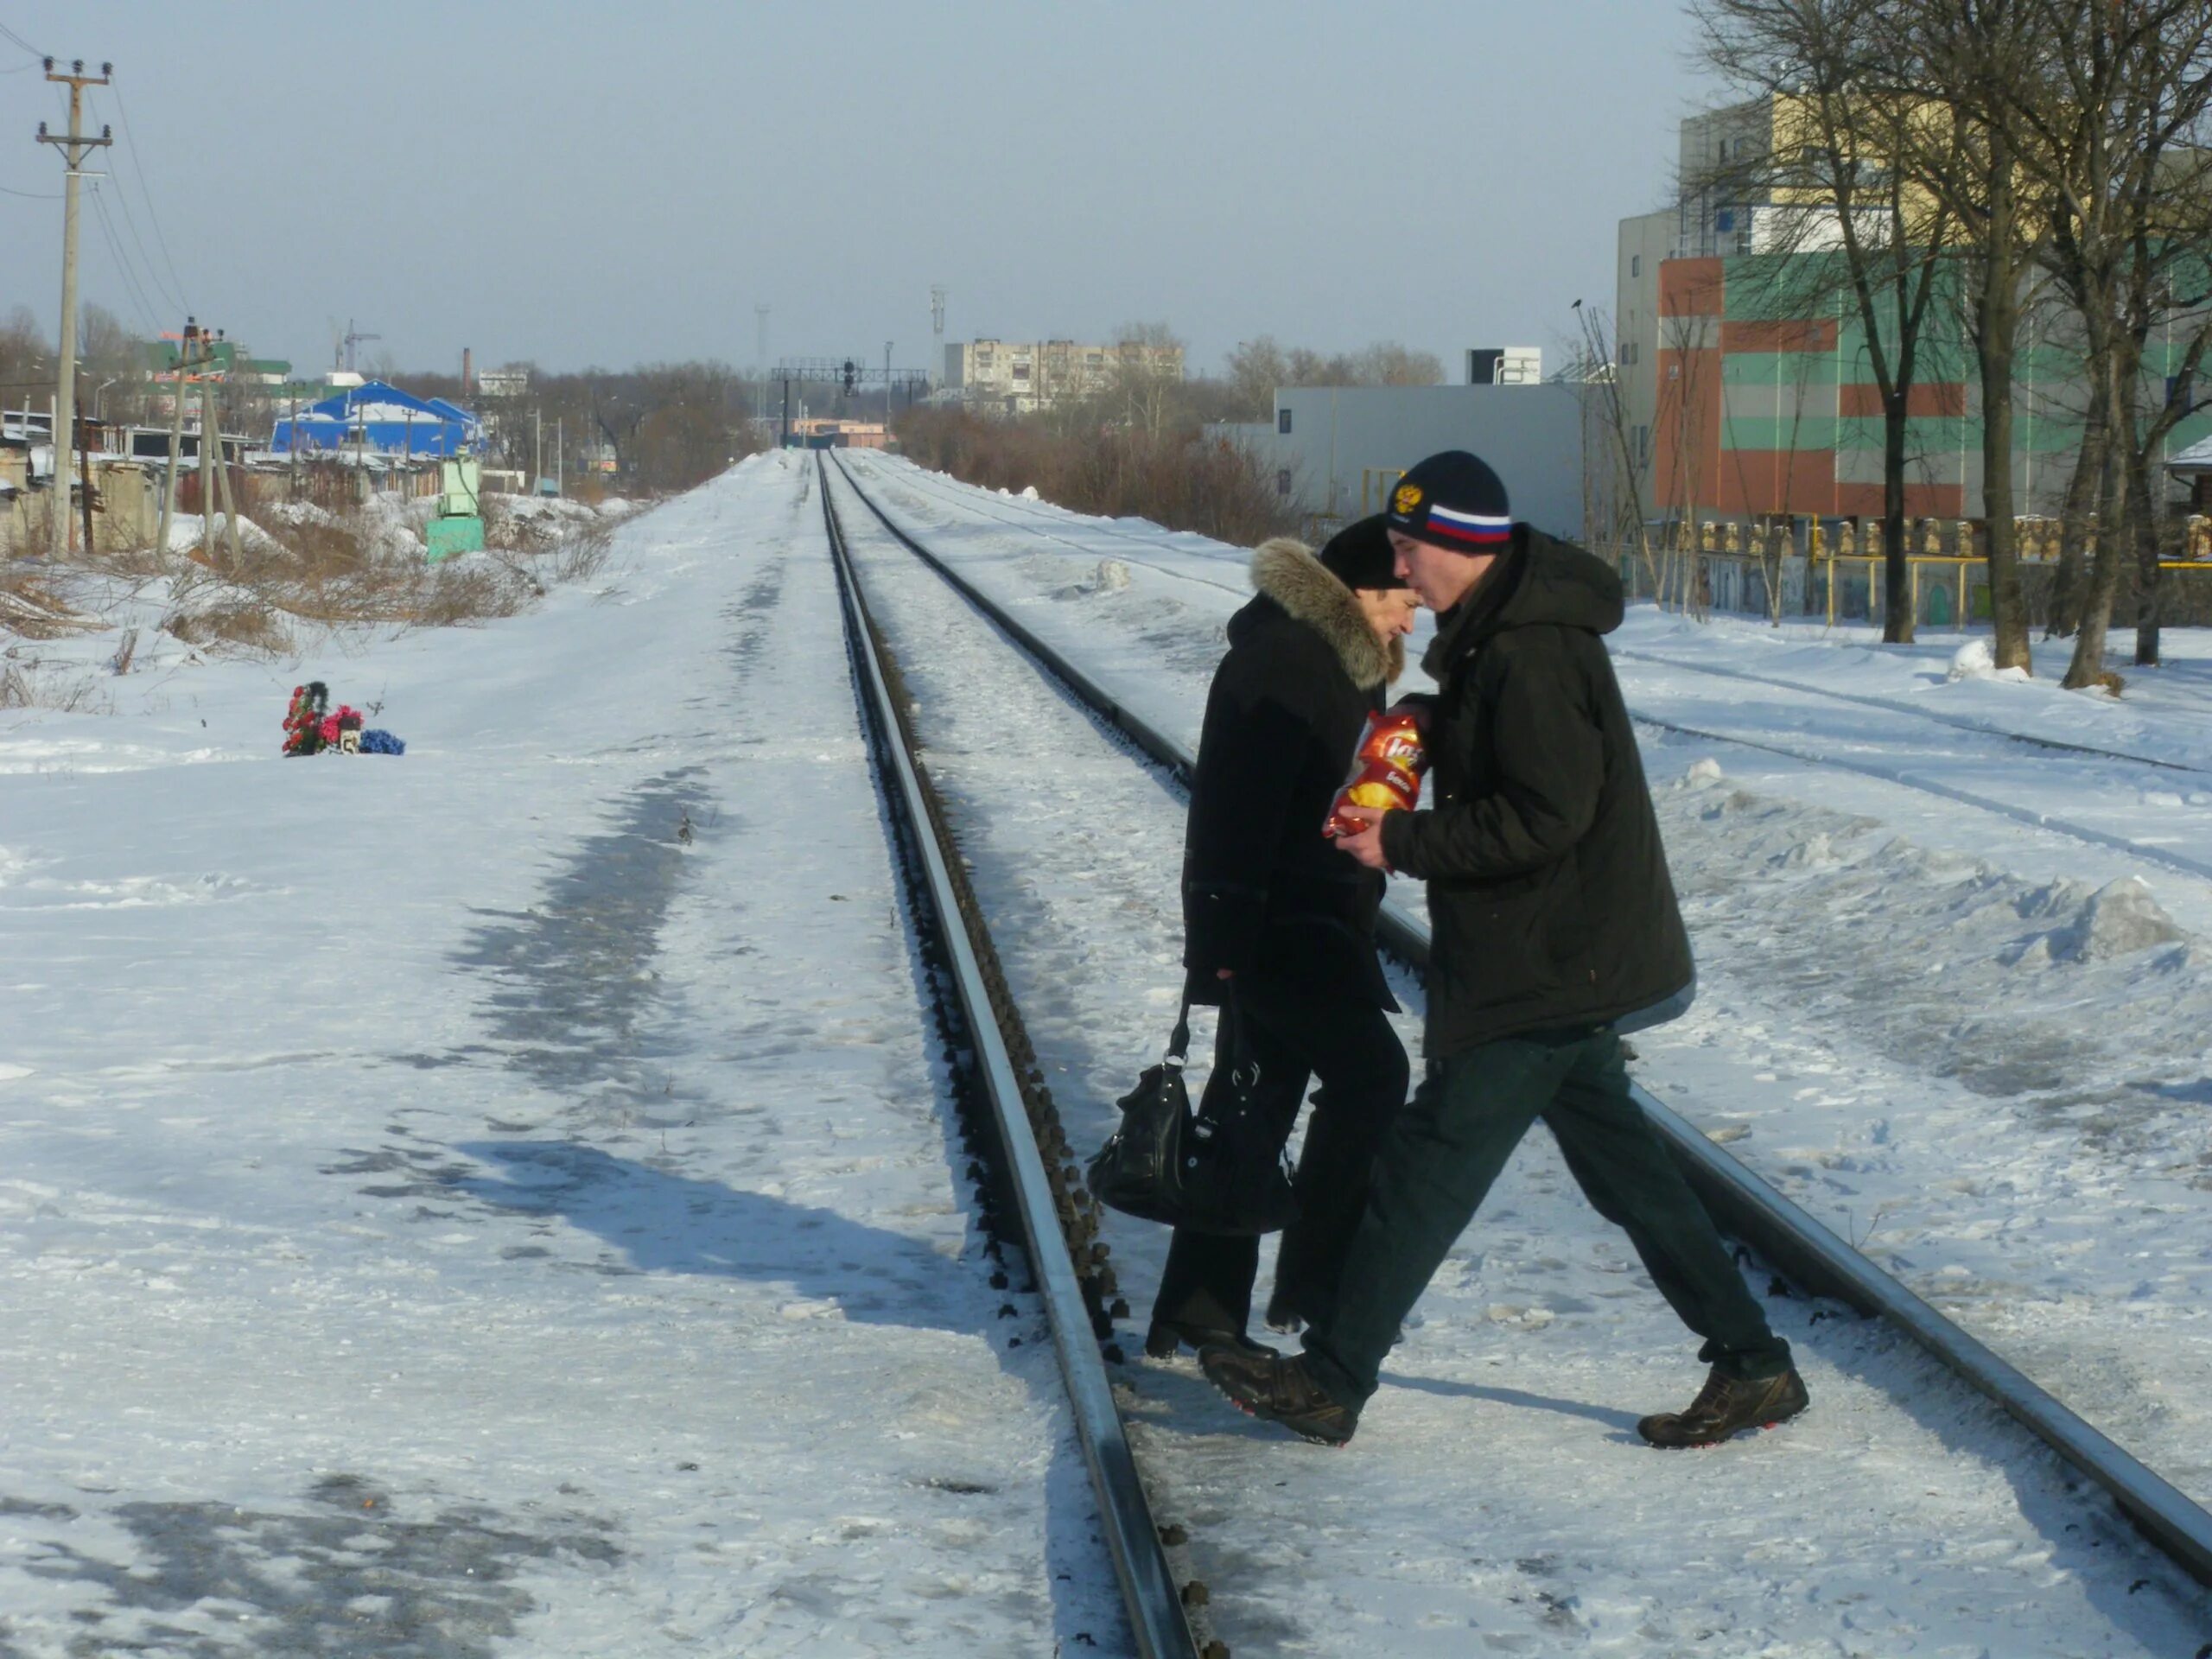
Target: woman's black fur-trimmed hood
[1286, 571]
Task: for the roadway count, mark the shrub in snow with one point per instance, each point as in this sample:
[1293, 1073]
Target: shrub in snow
[1702, 774]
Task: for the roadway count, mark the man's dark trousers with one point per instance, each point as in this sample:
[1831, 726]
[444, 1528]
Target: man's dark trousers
[1447, 1148]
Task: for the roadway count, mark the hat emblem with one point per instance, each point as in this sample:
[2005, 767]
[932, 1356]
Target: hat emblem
[1407, 498]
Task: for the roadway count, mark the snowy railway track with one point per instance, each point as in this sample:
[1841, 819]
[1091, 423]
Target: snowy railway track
[1130, 550]
[1903, 778]
[1898, 705]
[1040, 523]
[1792, 1241]
[1033, 1192]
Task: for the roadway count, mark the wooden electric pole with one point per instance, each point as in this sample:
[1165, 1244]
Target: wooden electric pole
[75, 148]
[185, 360]
[211, 426]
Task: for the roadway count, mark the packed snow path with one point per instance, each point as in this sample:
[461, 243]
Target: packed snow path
[498, 1200]
[1976, 1049]
[1497, 1493]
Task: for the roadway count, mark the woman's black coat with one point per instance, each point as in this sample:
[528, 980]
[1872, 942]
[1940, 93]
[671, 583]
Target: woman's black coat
[1263, 889]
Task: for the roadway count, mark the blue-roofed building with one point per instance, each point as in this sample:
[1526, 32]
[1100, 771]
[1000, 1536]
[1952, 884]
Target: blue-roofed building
[380, 420]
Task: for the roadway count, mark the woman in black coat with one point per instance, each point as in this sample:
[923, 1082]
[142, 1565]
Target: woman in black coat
[1279, 926]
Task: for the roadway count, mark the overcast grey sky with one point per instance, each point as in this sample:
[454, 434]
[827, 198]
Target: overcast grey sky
[579, 182]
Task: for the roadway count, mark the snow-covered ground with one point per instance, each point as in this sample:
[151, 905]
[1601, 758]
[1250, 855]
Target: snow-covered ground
[1497, 1493]
[1981, 1047]
[498, 1200]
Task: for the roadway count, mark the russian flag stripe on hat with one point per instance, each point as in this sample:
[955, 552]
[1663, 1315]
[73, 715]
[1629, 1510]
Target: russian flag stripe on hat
[1478, 537]
[1468, 521]
[1480, 529]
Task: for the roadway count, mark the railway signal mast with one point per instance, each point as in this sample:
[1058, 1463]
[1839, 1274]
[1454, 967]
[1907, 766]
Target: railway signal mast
[848, 374]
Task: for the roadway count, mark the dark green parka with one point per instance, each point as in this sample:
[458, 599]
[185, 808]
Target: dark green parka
[1549, 895]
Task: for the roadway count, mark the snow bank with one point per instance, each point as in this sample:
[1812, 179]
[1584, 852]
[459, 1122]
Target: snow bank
[1977, 660]
[1961, 969]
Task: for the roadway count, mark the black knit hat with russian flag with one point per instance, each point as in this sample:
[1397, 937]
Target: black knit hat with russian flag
[1453, 500]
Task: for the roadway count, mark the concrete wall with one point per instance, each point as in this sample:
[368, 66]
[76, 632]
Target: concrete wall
[1341, 437]
[126, 511]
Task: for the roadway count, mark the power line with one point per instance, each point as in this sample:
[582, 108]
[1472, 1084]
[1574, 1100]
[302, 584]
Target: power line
[135, 292]
[130, 223]
[138, 167]
[32, 195]
[148, 310]
[122, 263]
[11, 34]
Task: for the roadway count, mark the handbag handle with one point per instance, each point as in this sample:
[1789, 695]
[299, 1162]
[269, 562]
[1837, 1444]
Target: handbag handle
[1179, 1041]
[1229, 1040]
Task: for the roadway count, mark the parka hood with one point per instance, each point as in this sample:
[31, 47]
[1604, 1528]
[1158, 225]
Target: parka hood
[1562, 585]
[1286, 572]
[1541, 582]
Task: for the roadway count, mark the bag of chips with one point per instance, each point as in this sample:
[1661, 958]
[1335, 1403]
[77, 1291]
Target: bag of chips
[1386, 772]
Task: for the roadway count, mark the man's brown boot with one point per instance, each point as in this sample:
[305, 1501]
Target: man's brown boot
[1278, 1388]
[1726, 1406]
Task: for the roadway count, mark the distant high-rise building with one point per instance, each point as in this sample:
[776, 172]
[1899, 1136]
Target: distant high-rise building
[1006, 377]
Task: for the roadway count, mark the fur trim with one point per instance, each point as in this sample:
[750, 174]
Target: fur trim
[1286, 572]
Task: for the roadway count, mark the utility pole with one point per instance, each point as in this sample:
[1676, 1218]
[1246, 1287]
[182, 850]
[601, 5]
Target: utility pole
[537, 446]
[886, 394]
[75, 148]
[211, 426]
[760, 358]
[206, 485]
[937, 333]
[184, 362]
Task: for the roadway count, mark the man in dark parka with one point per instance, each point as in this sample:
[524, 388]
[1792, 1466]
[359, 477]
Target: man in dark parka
[1278, 926]
[1555, 928]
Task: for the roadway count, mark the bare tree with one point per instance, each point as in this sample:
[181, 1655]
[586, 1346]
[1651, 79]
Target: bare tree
[1141, 384]
[26, 358]
[1688, 402]
[1978, 61]
[2077, 516]
[1596, 375]
[2113, 148]
[1258, 366]
[1825, 68]
[1387, 363]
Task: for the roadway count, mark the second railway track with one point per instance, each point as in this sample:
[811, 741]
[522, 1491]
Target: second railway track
[1815, 1258]
[1022, 517]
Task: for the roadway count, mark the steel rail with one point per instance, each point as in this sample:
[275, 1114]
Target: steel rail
[1148, 1589]
[1745, 1206]
[1900, 705]
[2182, 863]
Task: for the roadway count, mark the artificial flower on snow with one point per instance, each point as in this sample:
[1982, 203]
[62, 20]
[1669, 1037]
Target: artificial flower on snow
[303, 721]
[310, 727]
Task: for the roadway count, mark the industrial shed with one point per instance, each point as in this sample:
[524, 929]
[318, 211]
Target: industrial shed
[380, 419]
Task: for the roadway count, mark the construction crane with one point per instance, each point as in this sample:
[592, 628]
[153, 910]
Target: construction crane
[352, 341]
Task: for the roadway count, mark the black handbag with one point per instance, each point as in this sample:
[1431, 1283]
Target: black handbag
[1217, 1170]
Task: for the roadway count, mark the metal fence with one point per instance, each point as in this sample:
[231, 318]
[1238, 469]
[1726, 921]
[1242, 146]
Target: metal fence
[1947, 591]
